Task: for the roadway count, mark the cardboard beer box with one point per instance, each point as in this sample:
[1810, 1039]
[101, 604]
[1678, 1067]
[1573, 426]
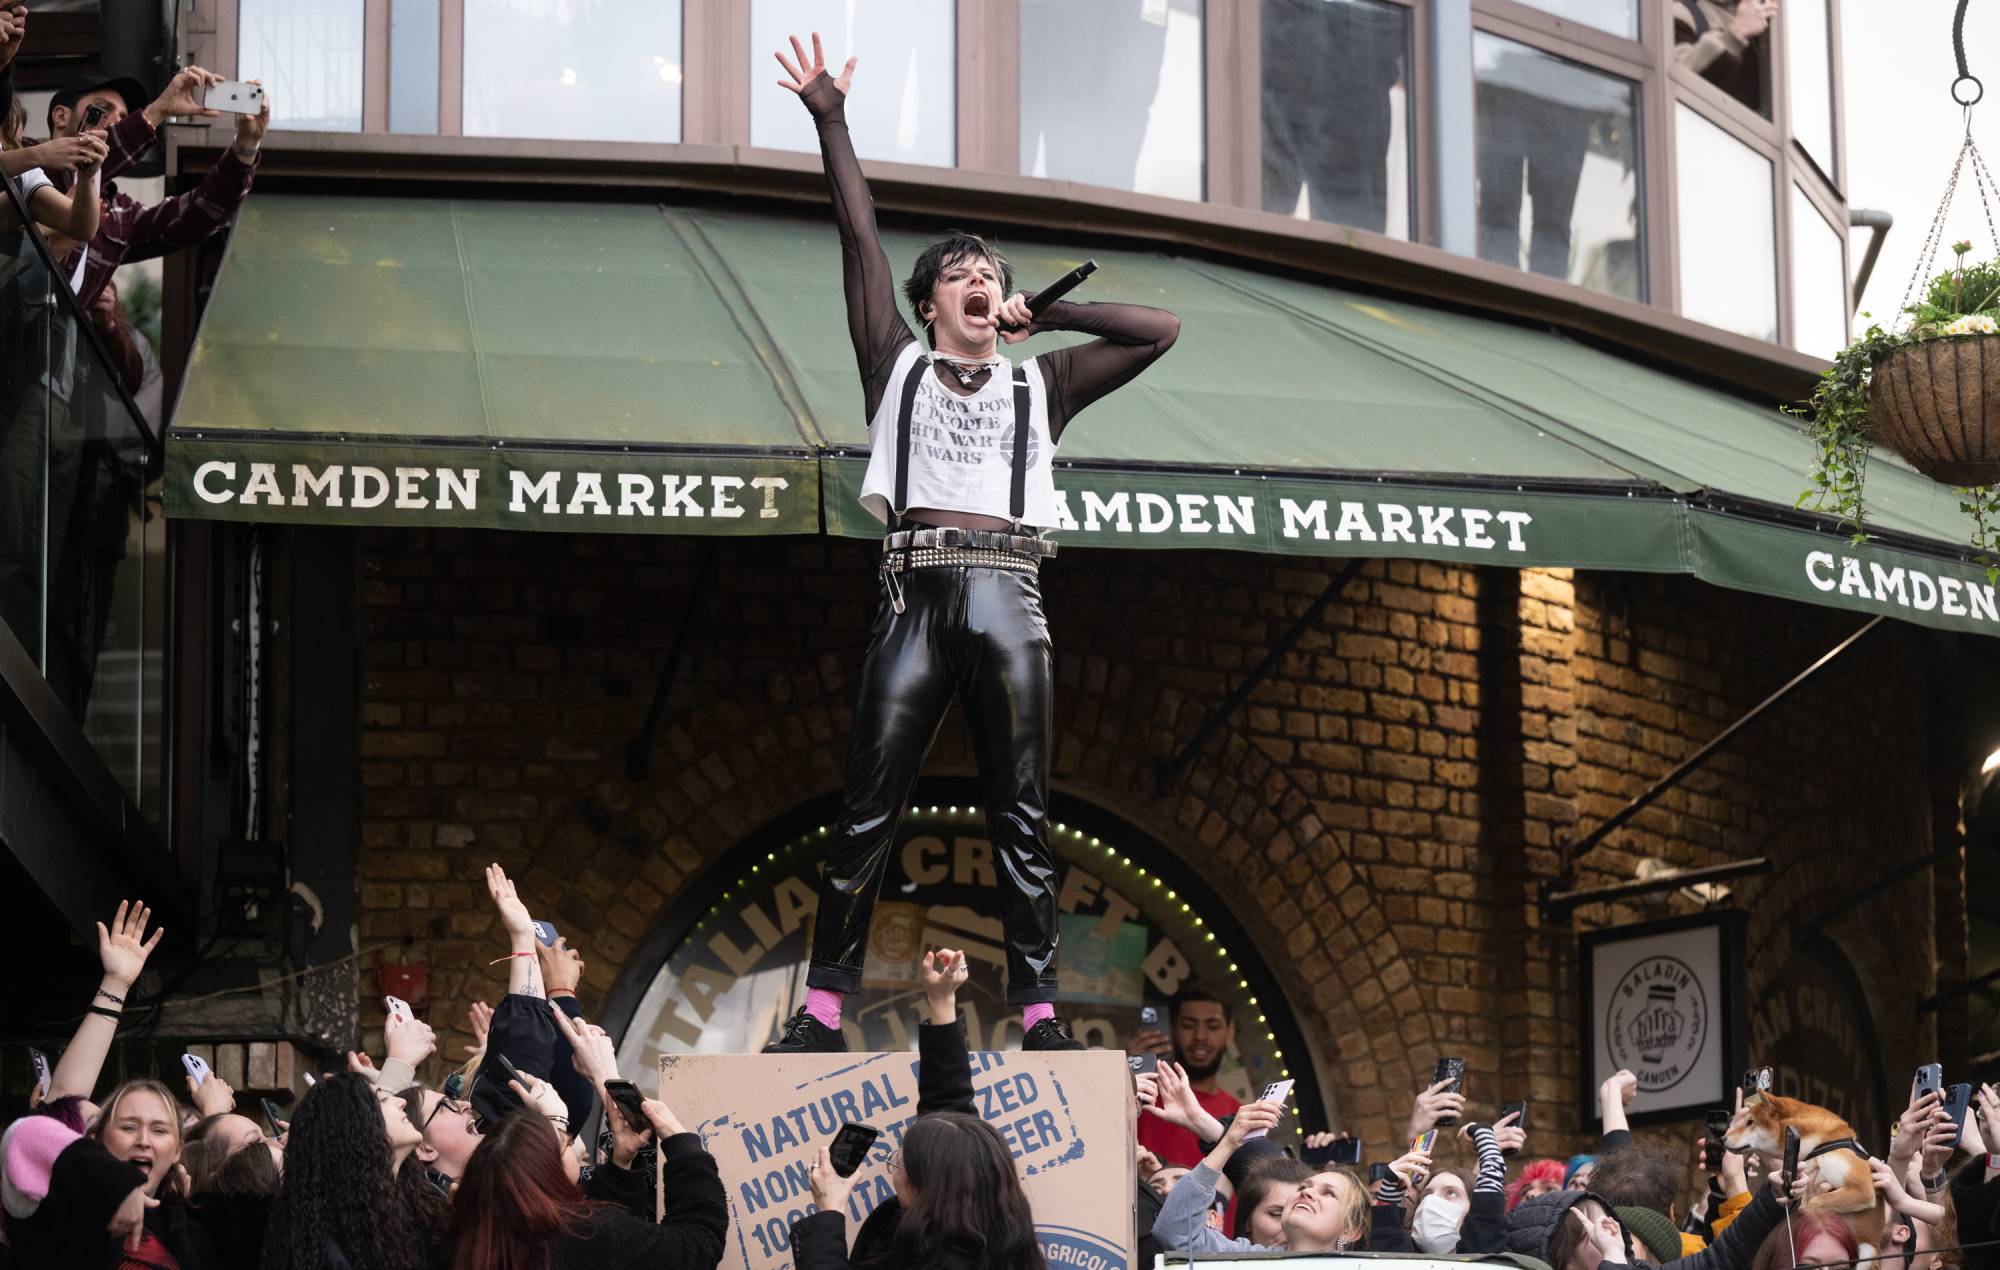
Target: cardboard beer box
[764, 1116]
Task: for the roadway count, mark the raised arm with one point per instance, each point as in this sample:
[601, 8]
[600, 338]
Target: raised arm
[944, 1061]
[122, 949]
[1129, 338]
[873, 322]
[524, 970]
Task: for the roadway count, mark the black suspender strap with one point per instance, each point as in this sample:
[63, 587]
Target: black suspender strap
[904, 407]
[1024, 425]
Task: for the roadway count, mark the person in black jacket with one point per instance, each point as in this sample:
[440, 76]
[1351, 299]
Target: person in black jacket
[141, 1124]
[68, 1199]
[958, 1202]
[233, 1175]
[340, 1205]
[519, 1204]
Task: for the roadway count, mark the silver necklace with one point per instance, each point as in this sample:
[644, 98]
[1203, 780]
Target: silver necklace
[969, 371]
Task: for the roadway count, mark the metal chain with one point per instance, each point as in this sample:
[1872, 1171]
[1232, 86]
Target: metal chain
[1936, 234]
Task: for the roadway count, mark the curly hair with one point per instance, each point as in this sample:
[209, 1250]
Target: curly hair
[340, 1187]
[968, 1196]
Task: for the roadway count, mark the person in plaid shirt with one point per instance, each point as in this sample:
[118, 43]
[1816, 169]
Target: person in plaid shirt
[129, 230]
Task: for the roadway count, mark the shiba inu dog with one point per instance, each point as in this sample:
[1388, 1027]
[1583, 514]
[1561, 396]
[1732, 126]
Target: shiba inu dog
[1844, 1185]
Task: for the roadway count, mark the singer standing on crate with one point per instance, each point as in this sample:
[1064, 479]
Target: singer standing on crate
[960, 473]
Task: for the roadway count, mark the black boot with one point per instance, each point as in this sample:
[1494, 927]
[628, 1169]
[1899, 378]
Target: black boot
[1050, 1034]
[805, 1034]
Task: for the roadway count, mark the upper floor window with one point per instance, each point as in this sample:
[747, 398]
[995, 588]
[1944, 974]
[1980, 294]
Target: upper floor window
[308, 53]
[905, 102]
[1111, 94]
[1728, 232]
[1619, 17]
[1558, 162]
[1336, 112]
[608, 70]
[1809, 60]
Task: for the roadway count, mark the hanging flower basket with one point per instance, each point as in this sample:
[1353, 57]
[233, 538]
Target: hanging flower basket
[1937, 403]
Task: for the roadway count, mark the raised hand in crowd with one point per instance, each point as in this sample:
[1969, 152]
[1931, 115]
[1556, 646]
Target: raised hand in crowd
[1613, 1096]
[1150, 1040]
[408, 1040]
[122, 950]
[1407, 1172]
[250, 129]
[213, 1096]
[540, 1096]
[1177, 1104]
[1249, 1118]
[13, 30]
[1508, 1134]
[479, 1016]
[524, 968]
[183, 95]
[562, 966]
[1915, 1125]
[363, 1066]
[944, 972]
[1433, 1105]
[1891, 1188]
[830, 1191]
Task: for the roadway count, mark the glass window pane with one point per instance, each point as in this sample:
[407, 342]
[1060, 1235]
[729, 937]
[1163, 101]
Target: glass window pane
[308, 54]
[413, 66]
[1620, 17]
[609, 70]
[1728, 243]
[1111, 94]
[905, 101]
[1336, 112]
[1558, 167]
[1819, 281]
[1729, 46]
[1809, 48]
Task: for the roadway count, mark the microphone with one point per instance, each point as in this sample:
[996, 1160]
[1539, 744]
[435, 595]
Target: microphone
[1057, 290]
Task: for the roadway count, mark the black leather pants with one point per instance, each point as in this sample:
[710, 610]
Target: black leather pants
[977, 633]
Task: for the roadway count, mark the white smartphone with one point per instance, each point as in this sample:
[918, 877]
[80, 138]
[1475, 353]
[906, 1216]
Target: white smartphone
[1277, 1091]
[196, 1069]
[310, 1082]
[235, 97]
[399, 1010]
[42, 1073]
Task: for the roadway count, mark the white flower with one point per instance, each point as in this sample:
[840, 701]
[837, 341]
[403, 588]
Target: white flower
[1971, 324]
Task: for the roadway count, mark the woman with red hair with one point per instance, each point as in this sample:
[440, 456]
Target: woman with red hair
[1821, 1239]
[519, 1207]
[1539, 1177]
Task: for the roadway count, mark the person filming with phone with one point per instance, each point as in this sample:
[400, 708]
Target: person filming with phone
[128, 230]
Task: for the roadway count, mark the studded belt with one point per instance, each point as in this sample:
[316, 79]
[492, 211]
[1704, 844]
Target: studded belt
[982, 539]
[917, 550]
[942, 557]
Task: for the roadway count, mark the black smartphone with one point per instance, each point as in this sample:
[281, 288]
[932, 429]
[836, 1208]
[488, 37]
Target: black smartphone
[1143, 1064]
[1378, 1173]
[1518, 1110]
[1791, 1154]
[94, 113]
[274, 1114]
[628, 1099]
[507, 1071]
[850, 1147]
[1338, 1151]
[1956, 1100]
[1149, 1016]
[1756, 1081]
[1453, 1070]
[1717, 1133]
[1930, 1080]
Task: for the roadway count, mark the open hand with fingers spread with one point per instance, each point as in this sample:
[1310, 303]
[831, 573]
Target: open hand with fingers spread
[801, 73]
[122, 948]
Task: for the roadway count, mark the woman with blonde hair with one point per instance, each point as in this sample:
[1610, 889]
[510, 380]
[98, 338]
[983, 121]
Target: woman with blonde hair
[141, 1125]
[1327, 1212]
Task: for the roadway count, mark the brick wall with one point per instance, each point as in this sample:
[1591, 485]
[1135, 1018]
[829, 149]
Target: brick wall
[1380, 816]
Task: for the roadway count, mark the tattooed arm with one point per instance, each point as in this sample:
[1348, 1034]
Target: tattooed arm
[524, 969]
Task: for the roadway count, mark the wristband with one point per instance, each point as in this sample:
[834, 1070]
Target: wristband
[1933, 1185]
[106, 1011]
[562, 992]
[111, 996]
[497, 960]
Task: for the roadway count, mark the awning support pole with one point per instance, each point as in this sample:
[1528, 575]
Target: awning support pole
[1168, 772]
[639, 751]
[1592, 840]
[1557, 904]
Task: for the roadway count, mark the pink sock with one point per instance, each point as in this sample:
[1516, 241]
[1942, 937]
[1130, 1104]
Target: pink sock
[824, 1004]
[1033, 1014]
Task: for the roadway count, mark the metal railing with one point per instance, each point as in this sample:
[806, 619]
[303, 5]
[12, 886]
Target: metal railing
[83, 582]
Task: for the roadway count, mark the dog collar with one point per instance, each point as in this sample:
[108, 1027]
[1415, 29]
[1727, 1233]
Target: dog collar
[1839, 1144]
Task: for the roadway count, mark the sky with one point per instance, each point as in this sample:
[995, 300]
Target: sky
[1903, 131]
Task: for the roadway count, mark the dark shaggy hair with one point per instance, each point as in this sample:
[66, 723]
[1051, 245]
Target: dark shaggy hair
[1637, 1176]
[216, 1166]
[1277, 1172]
[1194, 992]
[967, 1198]
[340, 1187]
[941, 255]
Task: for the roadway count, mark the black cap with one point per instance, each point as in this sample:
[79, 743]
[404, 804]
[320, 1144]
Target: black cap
[125, 86]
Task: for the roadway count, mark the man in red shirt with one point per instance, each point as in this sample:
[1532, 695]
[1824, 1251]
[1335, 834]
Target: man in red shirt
[1202, 1035]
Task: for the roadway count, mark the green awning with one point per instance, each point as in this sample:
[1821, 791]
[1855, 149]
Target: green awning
[589, 367]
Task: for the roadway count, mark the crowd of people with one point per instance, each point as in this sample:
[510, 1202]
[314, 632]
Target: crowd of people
[496, 1165]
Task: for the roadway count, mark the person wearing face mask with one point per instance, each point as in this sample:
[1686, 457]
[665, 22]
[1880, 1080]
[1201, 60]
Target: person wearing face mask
[1327, 1212]
[961, 473]
[1448, 1217]
[340, 1206]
